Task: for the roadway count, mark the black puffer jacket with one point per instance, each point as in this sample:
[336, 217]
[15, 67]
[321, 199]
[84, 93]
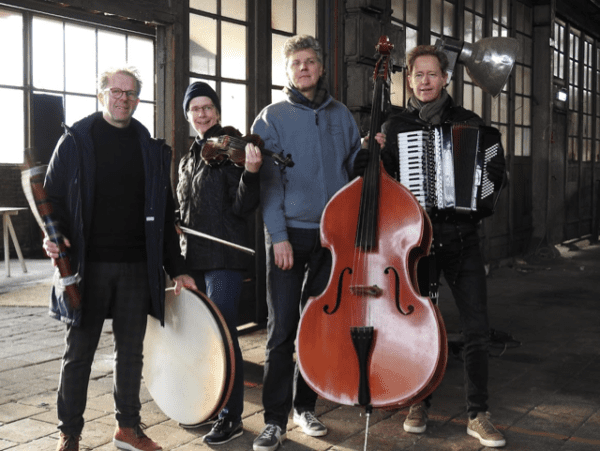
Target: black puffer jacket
[215, 199]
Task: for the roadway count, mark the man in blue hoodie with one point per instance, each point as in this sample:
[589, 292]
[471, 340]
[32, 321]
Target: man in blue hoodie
[323, 139]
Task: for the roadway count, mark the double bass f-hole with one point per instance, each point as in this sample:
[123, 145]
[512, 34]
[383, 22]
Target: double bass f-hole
[369, 290]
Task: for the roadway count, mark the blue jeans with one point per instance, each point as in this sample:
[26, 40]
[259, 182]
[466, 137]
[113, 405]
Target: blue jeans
[287, 292]
[224, 288]
[458, 255]
[121, 291]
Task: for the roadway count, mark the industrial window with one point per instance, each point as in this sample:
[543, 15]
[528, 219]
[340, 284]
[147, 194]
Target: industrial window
[66, 58]
[218, 54]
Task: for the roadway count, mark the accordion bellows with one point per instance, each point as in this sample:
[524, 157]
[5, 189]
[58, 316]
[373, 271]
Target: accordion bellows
[445, 167]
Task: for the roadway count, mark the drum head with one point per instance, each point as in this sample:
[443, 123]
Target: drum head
[189, 363]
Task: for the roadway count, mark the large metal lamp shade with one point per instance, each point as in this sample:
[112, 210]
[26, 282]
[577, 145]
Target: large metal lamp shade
[489, 61]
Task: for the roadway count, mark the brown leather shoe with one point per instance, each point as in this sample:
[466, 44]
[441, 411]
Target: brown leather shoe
[68, 443]
[134, 439]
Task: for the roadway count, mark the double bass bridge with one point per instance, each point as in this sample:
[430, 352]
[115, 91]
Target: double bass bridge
[366, 290]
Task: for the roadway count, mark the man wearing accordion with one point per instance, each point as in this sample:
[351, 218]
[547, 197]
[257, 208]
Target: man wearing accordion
[456, 247]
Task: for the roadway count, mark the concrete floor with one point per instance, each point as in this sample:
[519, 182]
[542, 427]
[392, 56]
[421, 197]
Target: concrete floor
[544, 373]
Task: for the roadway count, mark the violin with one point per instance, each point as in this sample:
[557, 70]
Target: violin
[370, 338]
[229, 147]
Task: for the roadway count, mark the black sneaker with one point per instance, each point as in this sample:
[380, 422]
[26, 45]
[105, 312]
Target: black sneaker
[223, 431]
[269, 439]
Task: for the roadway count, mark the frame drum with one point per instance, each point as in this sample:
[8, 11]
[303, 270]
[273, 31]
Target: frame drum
[189, 364]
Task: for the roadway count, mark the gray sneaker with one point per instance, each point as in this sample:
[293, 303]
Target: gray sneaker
[310, 424]
[482, 428]
[416, 420]
[269, 439]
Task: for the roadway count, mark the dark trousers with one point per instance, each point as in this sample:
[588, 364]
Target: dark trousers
[224, 288]
[121, 291]
[458, 256]
[287, 292]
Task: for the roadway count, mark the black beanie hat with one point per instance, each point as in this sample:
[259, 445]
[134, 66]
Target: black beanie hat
[200, 89]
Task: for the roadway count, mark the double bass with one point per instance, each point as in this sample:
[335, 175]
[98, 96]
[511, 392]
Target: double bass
[371, 338]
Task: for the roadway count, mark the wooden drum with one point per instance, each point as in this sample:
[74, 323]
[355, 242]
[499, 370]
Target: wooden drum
[189, 364]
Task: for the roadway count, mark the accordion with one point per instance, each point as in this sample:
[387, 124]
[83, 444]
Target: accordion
[445, 167]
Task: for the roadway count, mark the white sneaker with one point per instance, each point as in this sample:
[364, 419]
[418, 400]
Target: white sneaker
[310, 424]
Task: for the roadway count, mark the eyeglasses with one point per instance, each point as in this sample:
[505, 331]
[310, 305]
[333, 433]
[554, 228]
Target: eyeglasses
[206, 108]
[117, 93]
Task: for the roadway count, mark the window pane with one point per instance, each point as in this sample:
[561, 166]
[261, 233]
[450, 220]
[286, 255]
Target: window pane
[233, 51]
[398, 9]
[277, 95]
[233, 106]
[519, 110]
[48, 53]
[11, 31]
[526, 142]
[412, 12]
[111, 50]
[468, 97]
[282, 15]
[436, 16]
[526, 111]
[203, 45]
[145, 114]
[78, 107]
[397, 89]
[468, 27]
[80, 59]
[307, 17]
[210, 6]
[12, 126]
[140, 54]
[478, 29]
[234, 9]
[449, 19]
[518, 141]
[411, 39]
[278, 65]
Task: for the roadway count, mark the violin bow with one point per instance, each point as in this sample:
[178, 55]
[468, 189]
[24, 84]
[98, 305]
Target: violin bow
[218, 240]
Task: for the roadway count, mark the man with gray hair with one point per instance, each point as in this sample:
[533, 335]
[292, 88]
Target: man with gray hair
[323, 139]
[110, 189]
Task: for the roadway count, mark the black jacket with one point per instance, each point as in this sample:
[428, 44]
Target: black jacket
[70, 182]
[216, 199]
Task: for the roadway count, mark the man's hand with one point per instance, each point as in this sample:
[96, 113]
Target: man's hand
[184, 281]
[284, 255]
[52, 249]
[253, 158]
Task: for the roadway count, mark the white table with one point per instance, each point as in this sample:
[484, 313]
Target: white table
[7, 212]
